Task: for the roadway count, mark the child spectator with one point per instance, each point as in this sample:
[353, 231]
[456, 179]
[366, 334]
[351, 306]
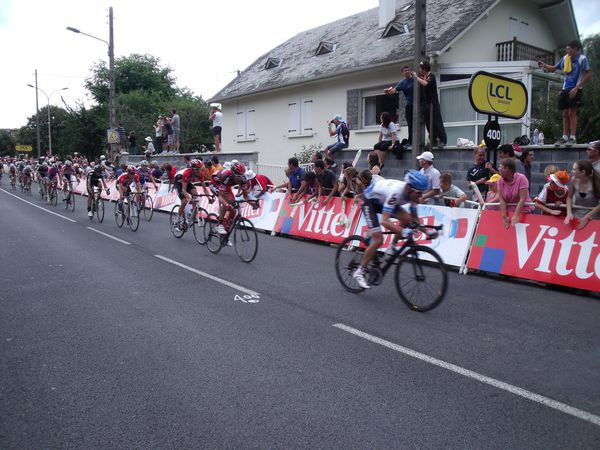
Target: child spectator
[492, 193]
[554, 194]
[550, 169]
[456, 196]
[373, 162]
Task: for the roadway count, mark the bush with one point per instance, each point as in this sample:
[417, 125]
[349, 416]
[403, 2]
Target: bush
[306, 153]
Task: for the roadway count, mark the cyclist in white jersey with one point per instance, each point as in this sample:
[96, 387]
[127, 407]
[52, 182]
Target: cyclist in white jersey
[387, 197]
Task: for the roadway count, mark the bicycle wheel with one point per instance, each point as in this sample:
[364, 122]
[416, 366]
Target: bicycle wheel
[119, 215]
[421, 283]
[245, 240]
[148, 207]
[198, 226]
[174, 221]
[66, 199]
[54, 197]
[347, 260]
[72, 201]
[99, 207]
[42, 191]
[133, 219]
[214, 243]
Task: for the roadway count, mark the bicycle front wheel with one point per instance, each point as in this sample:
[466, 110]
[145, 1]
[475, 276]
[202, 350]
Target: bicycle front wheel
[133, 218]
[347, 260]
[71, 201]
[245, 240]
[119, 215]
[99, 204]
[148, 206]
[199, 224]
[421, 281]
[174, 222]
[54, 197]
[214, 242]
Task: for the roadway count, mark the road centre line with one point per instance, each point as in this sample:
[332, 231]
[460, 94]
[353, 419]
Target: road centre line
[109, 236]
[209, 276]
[39, 207]
[562, 407]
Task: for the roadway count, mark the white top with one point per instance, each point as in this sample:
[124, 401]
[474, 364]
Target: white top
[433, 176]
[218, 119]
[389, 193]
[388, 132]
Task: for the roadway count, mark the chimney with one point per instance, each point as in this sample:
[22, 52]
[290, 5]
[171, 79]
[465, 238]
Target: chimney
[387, 12]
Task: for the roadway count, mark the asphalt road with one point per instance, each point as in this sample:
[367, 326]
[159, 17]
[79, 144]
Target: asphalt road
[141, 342]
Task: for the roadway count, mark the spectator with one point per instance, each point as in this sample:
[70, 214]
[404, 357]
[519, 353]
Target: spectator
[343, 135]
[169, 134]
[388, 137]
[406, 86]
[169, 173]
[156, 170]
[432, 112]
[186, 161]
[479, 173]
[295, 175]
[432, 175]
[330, 164]
[524, 164]
[373, 162]
[158, 132]
[349, 184]
[148, 148]
[593, 152]
[175, 123]
[576, 68]
[450, 193]
[584, 192]
[216, 116]
[492, 193]
[316, 155]
[123, 144]
[550, 169]
[554, 194]
[513, 188]
[215, 162]
[308, 186]
[327, 182]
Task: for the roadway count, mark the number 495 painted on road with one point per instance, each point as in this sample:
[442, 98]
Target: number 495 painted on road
[247, 298]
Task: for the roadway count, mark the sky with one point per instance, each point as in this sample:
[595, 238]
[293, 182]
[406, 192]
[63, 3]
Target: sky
[205, 43]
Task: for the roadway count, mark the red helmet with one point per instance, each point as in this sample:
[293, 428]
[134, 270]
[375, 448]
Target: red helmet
[131, 169]
[196, 164]
[238, 168]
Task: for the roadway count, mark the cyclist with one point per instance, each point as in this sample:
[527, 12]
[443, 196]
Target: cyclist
[27, 173]
[20, 168]
[124, 181]
[53, 173]
[67, 177]
[387, 197]
[94, 178]
[222, 185]
[184, 180]
[146, 174]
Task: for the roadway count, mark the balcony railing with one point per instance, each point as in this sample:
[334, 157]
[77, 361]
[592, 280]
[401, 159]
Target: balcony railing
[519, 51]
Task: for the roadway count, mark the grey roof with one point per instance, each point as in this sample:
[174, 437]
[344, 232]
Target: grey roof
[359, 46]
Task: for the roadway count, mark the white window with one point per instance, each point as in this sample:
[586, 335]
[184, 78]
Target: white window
[300, 117]
[245, 125]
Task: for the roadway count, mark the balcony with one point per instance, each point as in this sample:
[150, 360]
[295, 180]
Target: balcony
[519, 51]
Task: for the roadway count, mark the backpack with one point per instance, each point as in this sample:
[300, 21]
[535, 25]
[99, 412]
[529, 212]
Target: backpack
[345, 133]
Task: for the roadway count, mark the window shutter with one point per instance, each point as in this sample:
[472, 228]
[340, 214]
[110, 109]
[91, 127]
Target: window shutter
[241, 124]
[294, 112]
[306, 116]
[250, 129]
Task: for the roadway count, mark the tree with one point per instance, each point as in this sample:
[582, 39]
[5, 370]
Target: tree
[7, 143]
[589, 113]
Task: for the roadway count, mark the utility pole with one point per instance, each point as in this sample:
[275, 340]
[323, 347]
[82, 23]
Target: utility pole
[37, 118]
[418, 135]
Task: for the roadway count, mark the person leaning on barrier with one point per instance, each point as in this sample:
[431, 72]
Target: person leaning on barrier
[554, 194]
[450, 193]
[294, 174]
[328, 185]
[584, 191]
[513, 188]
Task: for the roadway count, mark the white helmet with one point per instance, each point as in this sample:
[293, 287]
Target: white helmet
[226, 165]
[249, 175]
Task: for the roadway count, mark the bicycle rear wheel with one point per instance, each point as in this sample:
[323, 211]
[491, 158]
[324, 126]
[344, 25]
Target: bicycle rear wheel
[214, 243]
[148, 207]
[133, 217]
[421, 283]
[174, 221]
[245, 240]
[198, 226]
[119, 215]
[347, 260]
[99, 206]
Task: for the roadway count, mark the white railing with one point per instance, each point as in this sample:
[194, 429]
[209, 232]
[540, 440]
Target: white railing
[276, 172]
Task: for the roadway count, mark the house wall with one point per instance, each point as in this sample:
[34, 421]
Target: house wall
[479, 43]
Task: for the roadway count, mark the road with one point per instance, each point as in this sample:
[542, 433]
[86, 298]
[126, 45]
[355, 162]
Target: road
[126, 339]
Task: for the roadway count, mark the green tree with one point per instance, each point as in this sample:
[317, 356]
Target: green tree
[7, 143]
[589, 114]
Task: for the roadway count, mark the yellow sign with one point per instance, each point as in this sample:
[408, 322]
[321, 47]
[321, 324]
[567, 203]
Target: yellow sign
[113, 137]
[23, 148]
[498, 96]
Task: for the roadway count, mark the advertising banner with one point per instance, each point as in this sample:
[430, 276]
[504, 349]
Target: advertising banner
[539, 248]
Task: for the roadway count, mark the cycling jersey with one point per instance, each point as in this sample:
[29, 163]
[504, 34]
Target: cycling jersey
[27, 170]
[43, 170]
[144, 173]
[389, 194]
[52, 172]
[186, 176]
[223, 181]
[13, 168]
[94, 179]
[125, 180]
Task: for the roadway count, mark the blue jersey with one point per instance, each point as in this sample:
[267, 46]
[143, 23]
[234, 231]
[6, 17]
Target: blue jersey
[579, 65]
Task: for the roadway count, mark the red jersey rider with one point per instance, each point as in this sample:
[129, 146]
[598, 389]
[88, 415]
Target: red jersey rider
[124, 181]
[184, 180]
[222, 185]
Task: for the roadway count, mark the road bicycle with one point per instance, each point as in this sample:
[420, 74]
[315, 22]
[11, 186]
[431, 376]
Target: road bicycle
[27, 185]
[195, 219]
[52, 193]
[127, 210]
[13, 181]
[98, 204]
[245, 237]
[145, 203]
[21, 184]
[42, 186]
[68, 195]
[421, 278]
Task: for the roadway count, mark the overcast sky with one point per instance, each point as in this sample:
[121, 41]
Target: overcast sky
[203, 42]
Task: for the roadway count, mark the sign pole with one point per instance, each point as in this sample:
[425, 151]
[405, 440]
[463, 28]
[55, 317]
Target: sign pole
[418, 128]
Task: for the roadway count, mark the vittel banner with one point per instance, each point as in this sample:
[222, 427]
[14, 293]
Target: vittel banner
[538, 248]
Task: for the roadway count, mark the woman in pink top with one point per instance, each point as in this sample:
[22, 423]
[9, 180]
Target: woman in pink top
[513, 187]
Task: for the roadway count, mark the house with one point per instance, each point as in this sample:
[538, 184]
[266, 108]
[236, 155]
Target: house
[282, 101]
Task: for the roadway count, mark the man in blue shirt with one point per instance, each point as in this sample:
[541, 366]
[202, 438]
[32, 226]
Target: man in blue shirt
[295, 175]
[405, 86]
[576, 68]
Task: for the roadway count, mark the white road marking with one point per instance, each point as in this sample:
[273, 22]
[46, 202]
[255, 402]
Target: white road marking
[209, 276]
[562, 407]
[109, 236]
[39, 207]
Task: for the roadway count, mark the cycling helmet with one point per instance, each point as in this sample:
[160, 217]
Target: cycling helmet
[98, 169]
[196, 164]
[67, 163]
[131, 169]
[144, 163]
[249, 175]
[238, 168]
[416, 180]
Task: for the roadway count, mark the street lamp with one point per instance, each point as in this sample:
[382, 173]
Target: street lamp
[111, 70]
[48, 99]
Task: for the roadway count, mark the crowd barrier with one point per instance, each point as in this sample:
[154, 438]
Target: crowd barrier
[539, 247]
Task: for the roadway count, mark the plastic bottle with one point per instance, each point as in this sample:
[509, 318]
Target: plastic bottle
[536, 136]
[541, 138]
